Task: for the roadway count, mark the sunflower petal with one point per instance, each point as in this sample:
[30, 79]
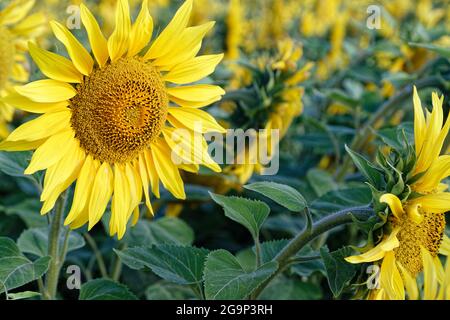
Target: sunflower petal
[194, 69]
[170, 35]
[390, 279]
[394, 204]
[141, 31]
[79, 55]
[102, 190]
[196, 120]
[167, 171]
[47, 91]
[118, 42]
[20, 102]
[54, 66]
[97, 40]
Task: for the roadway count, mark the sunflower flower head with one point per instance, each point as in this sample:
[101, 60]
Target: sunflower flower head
[16, 27]
[111, 118]
[271, 100]
[412, 201]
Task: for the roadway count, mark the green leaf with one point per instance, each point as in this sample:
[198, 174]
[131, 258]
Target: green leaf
[358, 196]
[321, 181]
[445, 52]
[104, 289]
[17, 270]
[23, 295]
[166, 230]
[181, 265]
[339, 271]
[163, 290]
[15, 163]
[366, 168]
[283, 288]
[225, 278]
[35, 241]
[282, 194]
[249, 213]
[28, 211]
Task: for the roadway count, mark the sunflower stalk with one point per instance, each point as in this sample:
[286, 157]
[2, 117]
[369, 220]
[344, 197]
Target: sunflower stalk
[285, 256]
[51, 284]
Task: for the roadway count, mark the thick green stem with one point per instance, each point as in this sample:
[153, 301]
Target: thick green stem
[385, 109]
[117, 266]
[303, 238]
[53, 249]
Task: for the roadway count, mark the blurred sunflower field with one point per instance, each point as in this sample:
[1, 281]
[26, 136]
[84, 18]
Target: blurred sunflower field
[224, 149]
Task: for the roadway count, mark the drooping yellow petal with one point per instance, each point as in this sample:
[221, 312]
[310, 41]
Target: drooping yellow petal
[63, 174]
[121, 202]
[32, 26]
[195, 104]
[47, 91]
[15, 11]
[194, 69]
[135, 185]
[171, 34]
[141, 31]
[410, 283]
[379, 251]
[98, 42]
[102, 190]
[79, 55]
[189, 147]
[145, 181]
[186, 47]
[42, 127]
[54, 66]
[118, 42]
[430, 283]
[438, 171]
[390, 278]
[196, 120]
[20, 102]
[51, 151]
[152, 174]
[19, 73]
[83, 189]
[394, 204]
[167, 171]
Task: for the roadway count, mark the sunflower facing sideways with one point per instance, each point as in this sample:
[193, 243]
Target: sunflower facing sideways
[113, 124]
[414, 234]
[16, 27]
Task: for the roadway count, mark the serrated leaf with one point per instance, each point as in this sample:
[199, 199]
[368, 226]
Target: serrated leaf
[28, 211]
[35, 241]
[339, 271]
[166, 230]
[284, 195]
[249, 213]
[17, 270]
[181, 265]
[226, 279]
[104, 289]
[15, 163]
[366, 168]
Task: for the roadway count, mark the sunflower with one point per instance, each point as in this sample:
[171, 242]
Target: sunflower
[416, 222]
[276, 107]
[121, 122]
[16, 27]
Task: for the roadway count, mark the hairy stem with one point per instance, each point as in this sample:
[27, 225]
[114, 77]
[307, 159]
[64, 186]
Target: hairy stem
[53, 249]
[284, 257]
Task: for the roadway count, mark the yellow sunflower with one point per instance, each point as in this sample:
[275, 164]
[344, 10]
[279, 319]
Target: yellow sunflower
[16, 27]
[417, 223]
[111, 124]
